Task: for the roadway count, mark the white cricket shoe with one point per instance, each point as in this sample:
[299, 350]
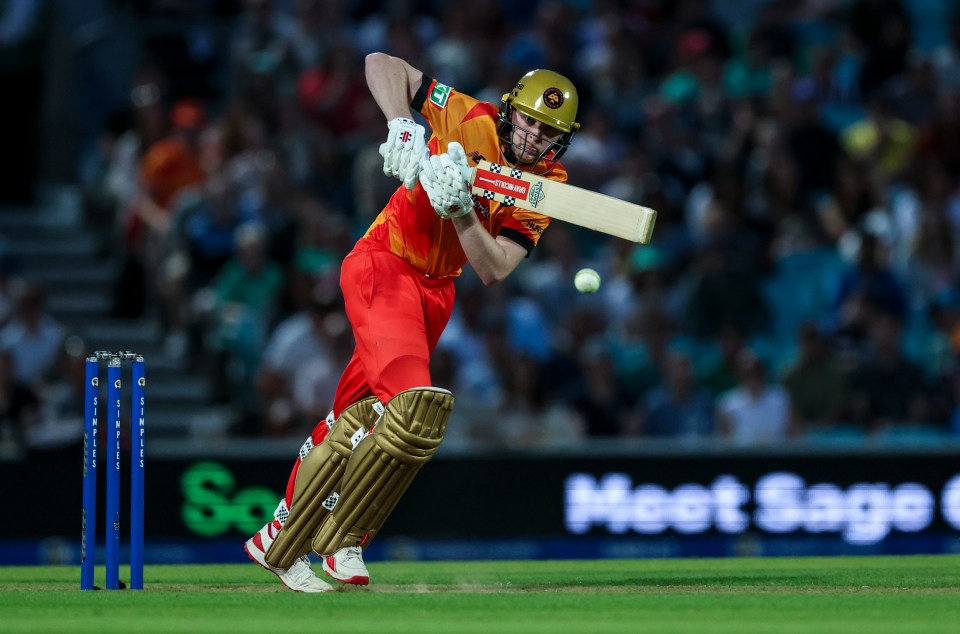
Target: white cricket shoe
[346, 566]
[299, 577]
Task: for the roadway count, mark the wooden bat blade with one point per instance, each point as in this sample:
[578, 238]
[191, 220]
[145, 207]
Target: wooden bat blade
[568, 203]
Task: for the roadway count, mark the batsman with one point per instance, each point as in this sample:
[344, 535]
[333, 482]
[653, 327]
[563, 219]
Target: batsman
[398, 287]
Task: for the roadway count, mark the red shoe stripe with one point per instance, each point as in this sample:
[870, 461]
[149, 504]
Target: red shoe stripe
[357, 581]
[332, 562]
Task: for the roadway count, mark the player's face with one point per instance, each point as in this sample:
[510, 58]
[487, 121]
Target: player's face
[531, 137]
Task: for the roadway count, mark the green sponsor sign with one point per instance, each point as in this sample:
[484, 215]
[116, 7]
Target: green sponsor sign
[213, 505]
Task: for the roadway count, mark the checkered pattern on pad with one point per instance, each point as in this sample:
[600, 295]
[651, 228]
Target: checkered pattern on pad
[282, 513]
[305, 449]
[331, 501]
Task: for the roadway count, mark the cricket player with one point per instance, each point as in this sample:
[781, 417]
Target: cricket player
[398, 288]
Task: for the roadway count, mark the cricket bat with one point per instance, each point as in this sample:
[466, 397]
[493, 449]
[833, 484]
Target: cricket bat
[564, 202]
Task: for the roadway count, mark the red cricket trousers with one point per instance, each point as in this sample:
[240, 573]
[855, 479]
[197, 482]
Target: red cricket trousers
[397, 314]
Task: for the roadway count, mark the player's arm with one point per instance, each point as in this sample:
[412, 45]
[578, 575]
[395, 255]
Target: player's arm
[446, 181]
[393, 84]
[492, 258]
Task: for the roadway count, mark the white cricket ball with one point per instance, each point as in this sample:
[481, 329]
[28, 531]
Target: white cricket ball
[587, 281]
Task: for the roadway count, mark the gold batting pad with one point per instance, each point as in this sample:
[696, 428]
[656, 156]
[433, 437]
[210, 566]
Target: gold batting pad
[384, 465]
[320, 472]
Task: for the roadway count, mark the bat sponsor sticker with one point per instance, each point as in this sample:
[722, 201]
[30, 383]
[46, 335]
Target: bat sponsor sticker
[500, 184]
[536, 194]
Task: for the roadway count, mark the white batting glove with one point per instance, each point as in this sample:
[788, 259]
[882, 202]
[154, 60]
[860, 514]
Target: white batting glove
[445, 179]
[404, 148]
[459, 158]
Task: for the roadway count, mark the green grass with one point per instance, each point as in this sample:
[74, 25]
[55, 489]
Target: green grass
[841, 594]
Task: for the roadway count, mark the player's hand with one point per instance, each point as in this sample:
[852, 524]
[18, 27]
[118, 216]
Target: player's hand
[404, 148]
[446, 180]
[459, 157]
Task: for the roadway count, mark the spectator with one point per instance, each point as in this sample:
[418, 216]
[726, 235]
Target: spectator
[678, 408]
[60, 420]
[643, 284]
[32, 338]
[812, 145]
[529, 417]
[122, 184]
[938, 139]
[883, 29]
[755, 412]
[19, 408]
[881, 140]
[815, 382]
[240, 305]
[134, 131]
[929, 259]
[946, 59]
[263, 48]
[605, 405]
[887, 388]
[721, 375]
[725, 289]
[548, 280]
[866, 289]
[168, 168]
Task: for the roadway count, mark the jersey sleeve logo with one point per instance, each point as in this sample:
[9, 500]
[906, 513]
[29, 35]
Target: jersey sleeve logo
[439, 95]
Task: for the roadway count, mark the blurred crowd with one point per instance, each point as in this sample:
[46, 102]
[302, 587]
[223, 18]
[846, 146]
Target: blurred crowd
[803, 155]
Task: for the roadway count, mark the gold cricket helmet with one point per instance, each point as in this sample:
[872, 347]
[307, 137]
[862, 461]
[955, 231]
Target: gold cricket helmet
[548, 97]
